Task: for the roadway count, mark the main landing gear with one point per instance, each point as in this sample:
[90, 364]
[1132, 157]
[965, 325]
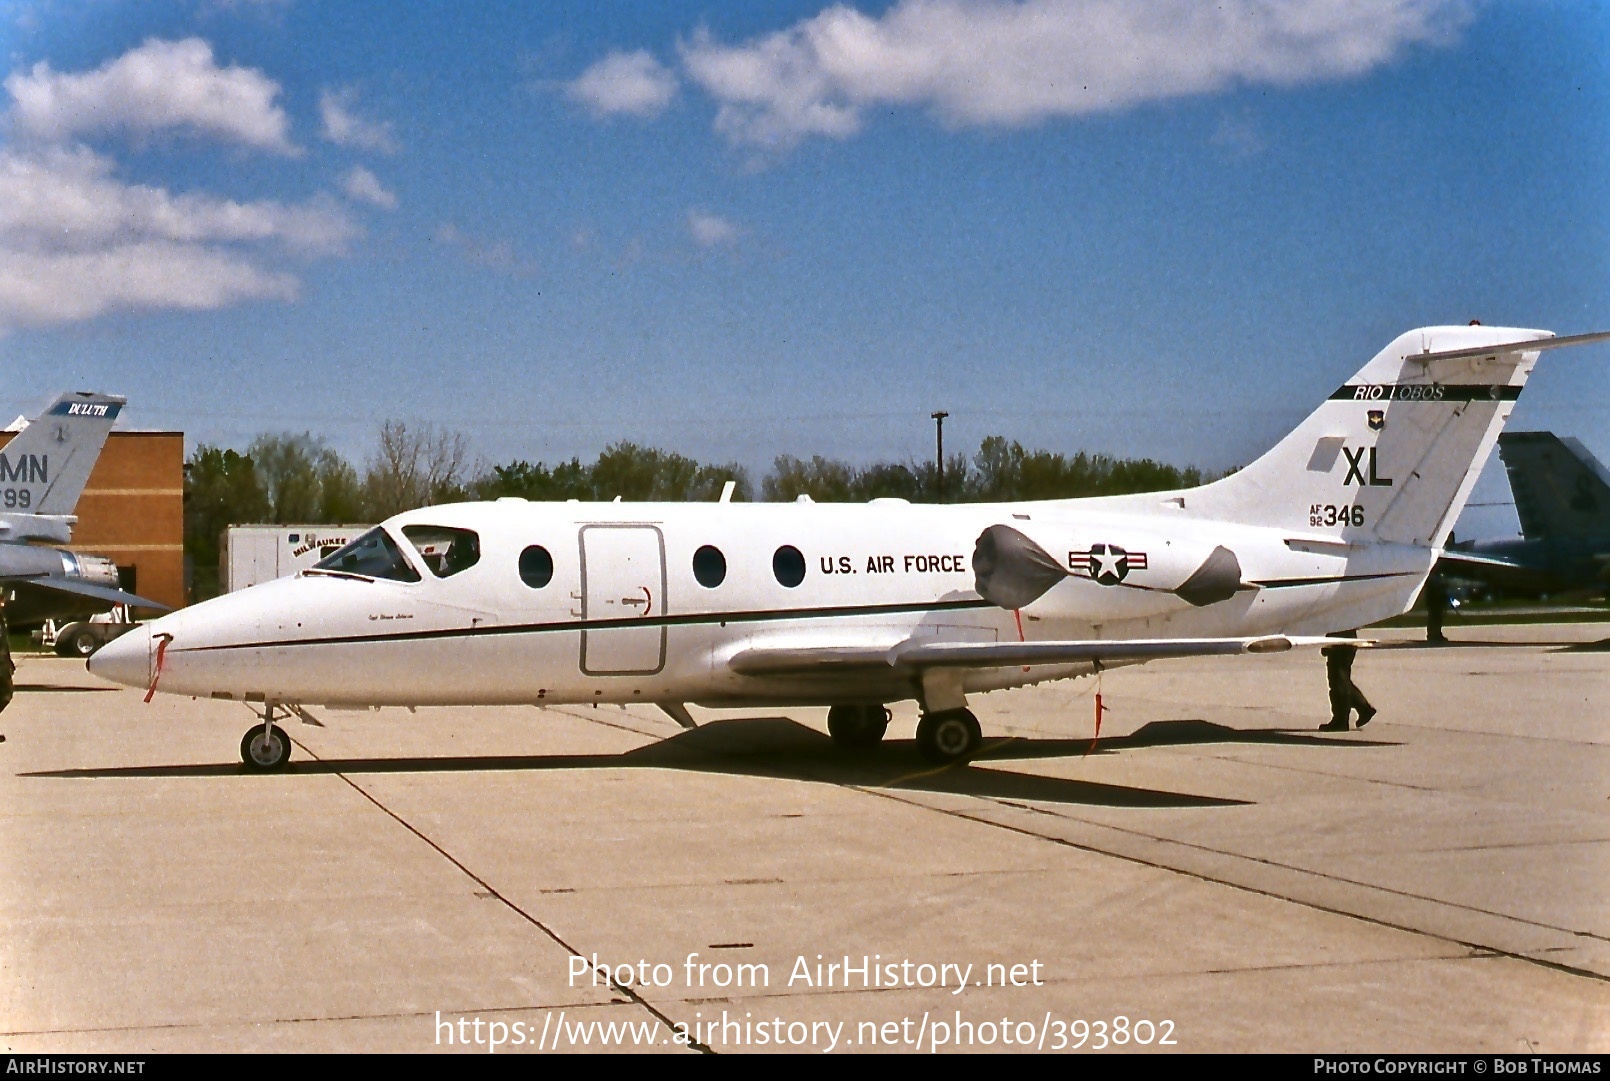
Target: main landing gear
[857, 725]
[266, 747]
[948, 736]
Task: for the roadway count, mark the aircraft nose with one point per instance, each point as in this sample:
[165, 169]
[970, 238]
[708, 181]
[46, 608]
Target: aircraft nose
[126, 659]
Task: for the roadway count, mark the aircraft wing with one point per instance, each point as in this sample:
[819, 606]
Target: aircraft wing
[1455, 560]
[86, 589]
[920, 653]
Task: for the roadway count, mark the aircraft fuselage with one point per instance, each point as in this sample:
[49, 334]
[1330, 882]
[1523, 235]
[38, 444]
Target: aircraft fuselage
[623, 615]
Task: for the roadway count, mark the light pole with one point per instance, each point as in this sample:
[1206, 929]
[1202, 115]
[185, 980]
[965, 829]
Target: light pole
[939, 451]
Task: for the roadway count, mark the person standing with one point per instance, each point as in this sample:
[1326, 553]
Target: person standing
[7, 666]
[1436, 602]
[1345, 696]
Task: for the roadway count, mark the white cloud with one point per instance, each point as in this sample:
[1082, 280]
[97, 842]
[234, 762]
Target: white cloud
[158, 87]
[362, 185]
[996, 63]
[47, 288]
[343, 127]
[633, 83]
[710, 231]
[75, 242]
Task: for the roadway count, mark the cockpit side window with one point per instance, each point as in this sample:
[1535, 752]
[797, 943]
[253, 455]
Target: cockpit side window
[445, 550]
[373, 555]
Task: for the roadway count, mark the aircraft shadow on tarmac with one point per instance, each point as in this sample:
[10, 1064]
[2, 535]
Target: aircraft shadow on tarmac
[781, 748]
[1601, 646]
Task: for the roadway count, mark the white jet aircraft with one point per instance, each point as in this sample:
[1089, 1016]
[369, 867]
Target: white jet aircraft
[856, 606]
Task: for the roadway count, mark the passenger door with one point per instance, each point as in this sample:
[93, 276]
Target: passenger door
[623, 600]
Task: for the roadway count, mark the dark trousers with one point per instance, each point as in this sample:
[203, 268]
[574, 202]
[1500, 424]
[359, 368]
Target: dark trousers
[1344, 696]
[6, 665]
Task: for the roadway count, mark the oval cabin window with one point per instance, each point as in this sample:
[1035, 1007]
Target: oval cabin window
[536, 566]
[788, 565]
[709, 566]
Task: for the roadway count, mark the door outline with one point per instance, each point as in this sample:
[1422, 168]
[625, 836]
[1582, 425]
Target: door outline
[658, 601]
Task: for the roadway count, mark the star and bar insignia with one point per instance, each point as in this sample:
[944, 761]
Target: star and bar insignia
[1106, 564]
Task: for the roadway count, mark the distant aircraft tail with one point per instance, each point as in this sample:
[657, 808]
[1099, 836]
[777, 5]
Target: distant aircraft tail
[1560, 488]
[44, 468]
[1391, 455]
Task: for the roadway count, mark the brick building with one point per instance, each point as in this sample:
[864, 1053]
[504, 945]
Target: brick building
[132, 512]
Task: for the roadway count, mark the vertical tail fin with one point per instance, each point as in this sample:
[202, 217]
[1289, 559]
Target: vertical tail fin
[44, 468]
[1391, 455]
[1560, 488]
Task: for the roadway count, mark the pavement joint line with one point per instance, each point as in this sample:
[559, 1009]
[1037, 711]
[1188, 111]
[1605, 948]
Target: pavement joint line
[691, 884]
[1219, 880]
[509, 903]
[1231, 757]
[1515, 844]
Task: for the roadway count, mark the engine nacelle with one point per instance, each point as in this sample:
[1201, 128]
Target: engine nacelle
[1071, 570]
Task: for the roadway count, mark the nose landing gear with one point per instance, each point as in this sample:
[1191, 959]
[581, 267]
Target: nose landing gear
[265, 747]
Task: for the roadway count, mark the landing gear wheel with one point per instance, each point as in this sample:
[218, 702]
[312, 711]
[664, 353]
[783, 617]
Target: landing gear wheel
[857, 725]
[948, 737]
[265, 753]
[83, 643]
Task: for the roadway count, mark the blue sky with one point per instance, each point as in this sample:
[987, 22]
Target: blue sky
[737, 231]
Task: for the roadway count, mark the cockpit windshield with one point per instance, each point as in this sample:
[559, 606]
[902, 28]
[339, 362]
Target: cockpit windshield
[445, 550]
[373, 555]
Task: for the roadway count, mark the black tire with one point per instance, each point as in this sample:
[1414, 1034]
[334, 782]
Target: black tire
[63, 637]
[951, 736]
[265, 756]
[83, 642]
[857, 725]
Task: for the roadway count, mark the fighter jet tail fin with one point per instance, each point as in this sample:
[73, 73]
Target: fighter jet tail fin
[1560, 488]
[44, 468]
[1391, 456]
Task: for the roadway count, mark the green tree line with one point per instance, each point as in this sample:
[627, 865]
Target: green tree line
[297, 479]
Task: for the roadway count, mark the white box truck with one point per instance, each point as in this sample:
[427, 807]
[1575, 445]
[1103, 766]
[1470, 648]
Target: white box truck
[261, 553]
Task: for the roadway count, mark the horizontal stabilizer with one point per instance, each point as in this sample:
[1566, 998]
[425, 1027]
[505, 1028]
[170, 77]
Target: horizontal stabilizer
[49, 528]
[1530, 346]
[925, 653]
[88, 589]
[1453, 560]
